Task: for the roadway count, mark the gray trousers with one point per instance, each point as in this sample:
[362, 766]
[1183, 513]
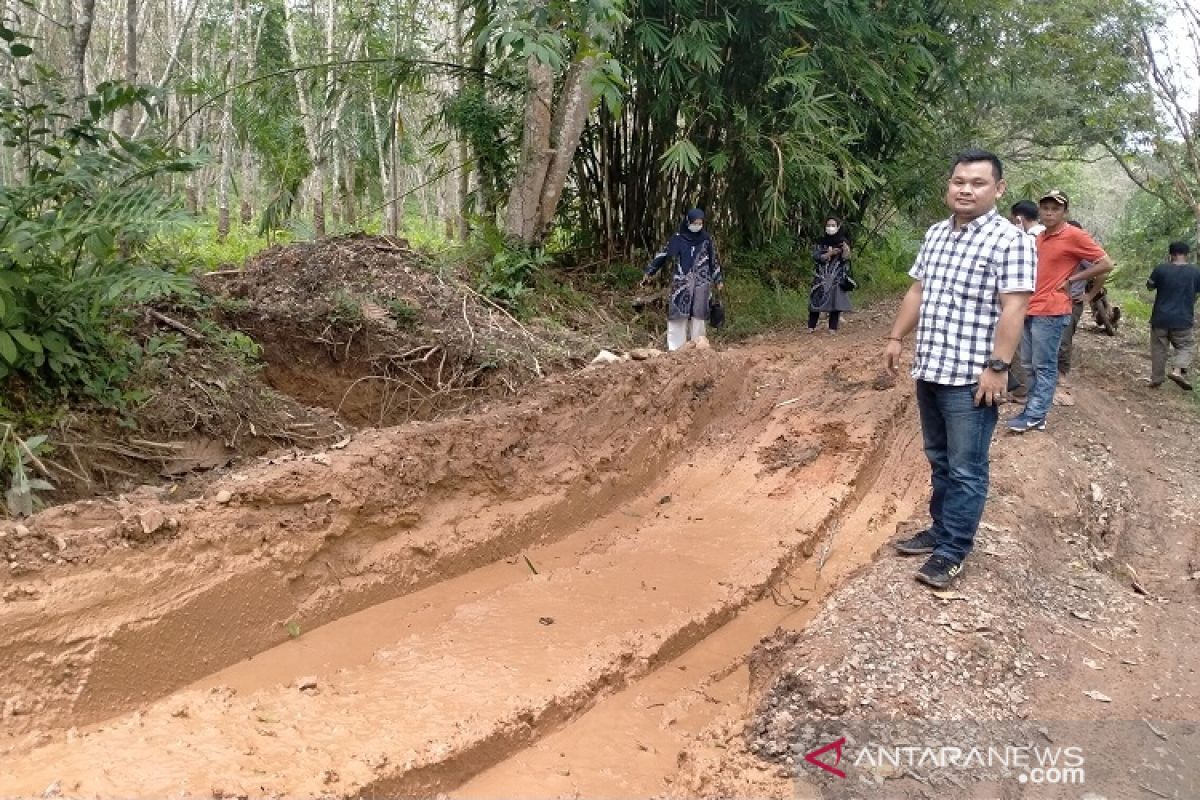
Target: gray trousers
[1064, 349]
[1161, 339]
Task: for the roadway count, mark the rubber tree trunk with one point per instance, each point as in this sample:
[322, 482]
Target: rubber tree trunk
[81, 35]
[226, 181]
[522, 216]
[548, 148]
[131, 61]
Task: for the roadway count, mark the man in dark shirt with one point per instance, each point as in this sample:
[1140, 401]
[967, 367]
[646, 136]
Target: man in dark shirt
[1176, 285]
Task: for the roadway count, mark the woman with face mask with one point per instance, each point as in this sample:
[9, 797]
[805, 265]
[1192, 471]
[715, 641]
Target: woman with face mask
[697, 273]
[831, 267]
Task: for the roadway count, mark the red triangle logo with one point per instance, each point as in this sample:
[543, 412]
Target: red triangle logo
[811, 757]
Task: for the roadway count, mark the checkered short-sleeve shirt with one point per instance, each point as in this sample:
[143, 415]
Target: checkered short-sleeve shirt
[963, 273]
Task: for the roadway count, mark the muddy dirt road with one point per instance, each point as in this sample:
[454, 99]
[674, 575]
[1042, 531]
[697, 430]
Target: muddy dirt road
[558, 596]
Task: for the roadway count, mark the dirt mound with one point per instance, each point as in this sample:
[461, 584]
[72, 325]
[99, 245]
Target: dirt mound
[307, 342]
[201, 406]
[377, 332]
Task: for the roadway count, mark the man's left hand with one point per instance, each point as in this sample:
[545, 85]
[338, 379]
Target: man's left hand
[992, 387]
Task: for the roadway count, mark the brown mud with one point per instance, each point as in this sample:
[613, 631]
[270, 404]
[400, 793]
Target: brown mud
[565, 595]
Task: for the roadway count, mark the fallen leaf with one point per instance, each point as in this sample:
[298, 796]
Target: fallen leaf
[1081, 615]
[1101, 696]
[1090, 664]
[949, 595]
[197, 454]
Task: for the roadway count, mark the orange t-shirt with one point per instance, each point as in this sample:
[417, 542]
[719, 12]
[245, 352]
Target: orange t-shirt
[1058, 255]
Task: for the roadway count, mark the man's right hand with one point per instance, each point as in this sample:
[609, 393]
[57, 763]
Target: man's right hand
[891, 355]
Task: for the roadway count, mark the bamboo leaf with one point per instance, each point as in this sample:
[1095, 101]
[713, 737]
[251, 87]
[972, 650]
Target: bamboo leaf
[681, 157]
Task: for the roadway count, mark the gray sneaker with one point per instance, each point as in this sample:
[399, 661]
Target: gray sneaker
[938, 572]
[918, 545]
[1179, 376]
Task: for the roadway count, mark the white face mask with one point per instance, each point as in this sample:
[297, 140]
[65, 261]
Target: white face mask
[695, 227]
[831, 229]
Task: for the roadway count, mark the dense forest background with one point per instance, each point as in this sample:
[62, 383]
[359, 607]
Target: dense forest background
[143, 142]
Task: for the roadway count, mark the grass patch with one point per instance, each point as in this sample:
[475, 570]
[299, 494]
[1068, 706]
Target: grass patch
[753, 306]
[201, 247]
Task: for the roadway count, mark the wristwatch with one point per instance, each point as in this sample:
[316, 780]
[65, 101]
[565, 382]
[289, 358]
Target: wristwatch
[997, 365]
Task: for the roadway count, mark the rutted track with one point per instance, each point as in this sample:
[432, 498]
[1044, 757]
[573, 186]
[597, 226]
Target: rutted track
[654, 500]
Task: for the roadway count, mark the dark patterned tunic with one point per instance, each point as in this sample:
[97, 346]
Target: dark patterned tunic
[697, 268]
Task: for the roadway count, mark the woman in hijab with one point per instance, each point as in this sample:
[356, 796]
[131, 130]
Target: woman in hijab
[697, 272]
[831, 265]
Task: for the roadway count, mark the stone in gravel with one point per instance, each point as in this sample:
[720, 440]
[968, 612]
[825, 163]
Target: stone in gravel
[606, 357]
[151, 521]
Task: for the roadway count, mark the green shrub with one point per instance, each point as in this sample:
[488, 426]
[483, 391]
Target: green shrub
[17, 457]
[509, 276]
[76, 234]
[403, 314]
[882, 263]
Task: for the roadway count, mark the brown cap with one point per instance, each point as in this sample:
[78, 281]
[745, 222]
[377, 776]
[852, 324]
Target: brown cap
[1057, 196]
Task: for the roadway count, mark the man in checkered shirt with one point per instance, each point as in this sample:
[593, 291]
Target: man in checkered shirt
[973, 279]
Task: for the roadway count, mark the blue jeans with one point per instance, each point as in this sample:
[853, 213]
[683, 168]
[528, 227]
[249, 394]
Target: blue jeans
[1039, 356]
[958, 436]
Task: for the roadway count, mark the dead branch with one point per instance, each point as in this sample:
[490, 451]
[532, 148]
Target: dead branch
[164, 445]
[467, 320]
[191, 333]
[32, 458]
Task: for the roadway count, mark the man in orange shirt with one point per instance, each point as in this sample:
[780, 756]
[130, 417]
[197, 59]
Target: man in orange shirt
[1060, 248]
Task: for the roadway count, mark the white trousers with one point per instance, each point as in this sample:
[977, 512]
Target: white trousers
[677, 332]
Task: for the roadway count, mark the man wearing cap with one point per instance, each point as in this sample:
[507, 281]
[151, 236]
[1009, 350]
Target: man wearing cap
[972, 278]
[1024, 214]
[1060, 248]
